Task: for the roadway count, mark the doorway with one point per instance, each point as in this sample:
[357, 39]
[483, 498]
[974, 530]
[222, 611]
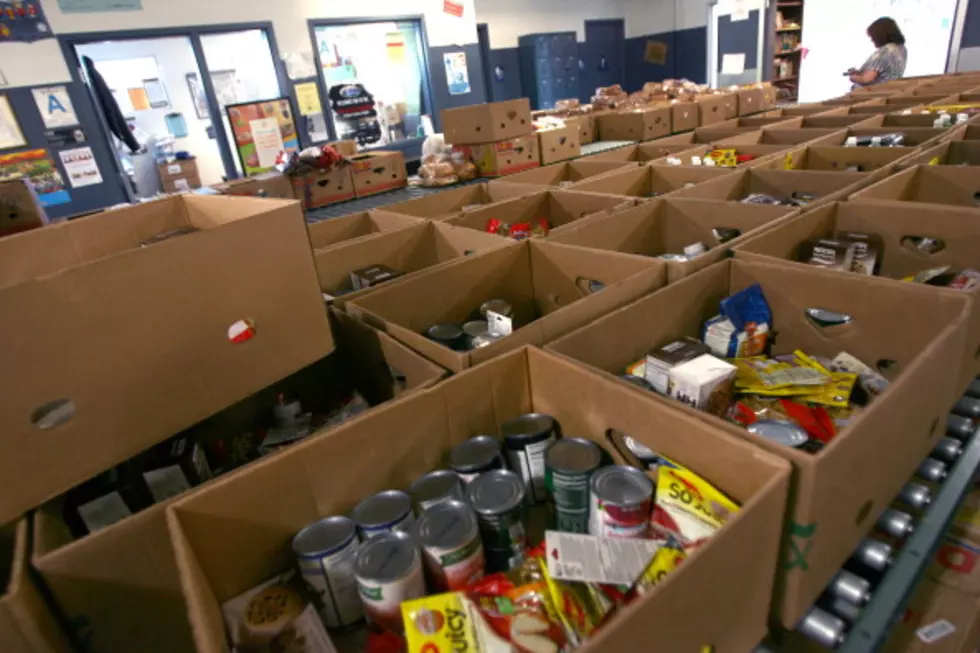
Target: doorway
[736, 42]
[602, 55]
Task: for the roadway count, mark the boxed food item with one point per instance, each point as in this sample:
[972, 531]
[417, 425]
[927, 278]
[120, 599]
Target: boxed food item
[546, 290]
[451, 202]
[207, 332]
[503, 157]
[487, 123]
[649, 181]
[268, 184]
[772, 186]
[558, 144]
[348, 228]
[179, 175]
[642, 124]
[377, 172]
[20, 209]
[495, 398]
[565, 175]
[832, 508]
[927, 185]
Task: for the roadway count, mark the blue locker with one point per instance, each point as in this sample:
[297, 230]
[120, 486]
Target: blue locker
[549, 67]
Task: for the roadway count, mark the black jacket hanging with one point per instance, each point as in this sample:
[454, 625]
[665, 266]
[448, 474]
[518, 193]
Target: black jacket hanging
[110, 109]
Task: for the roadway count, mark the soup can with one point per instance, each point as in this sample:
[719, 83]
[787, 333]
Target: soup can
[569, 464]
[325, 552]
[498, 306]
[447, 335]
[622, 498]
[479, 454]
[388, 570]
[526, 439]
[450, 539]
[497, 497]
[382, 513]
[436, 487]
[474, 333]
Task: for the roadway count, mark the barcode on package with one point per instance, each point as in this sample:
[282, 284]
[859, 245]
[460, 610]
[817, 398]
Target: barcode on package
[935, 631]
[591, 559]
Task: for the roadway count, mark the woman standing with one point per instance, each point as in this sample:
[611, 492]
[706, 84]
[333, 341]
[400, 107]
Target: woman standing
[888, 61]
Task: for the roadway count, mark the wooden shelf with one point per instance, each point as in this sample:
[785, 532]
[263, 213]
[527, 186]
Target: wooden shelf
[779, 80]
[787, 53]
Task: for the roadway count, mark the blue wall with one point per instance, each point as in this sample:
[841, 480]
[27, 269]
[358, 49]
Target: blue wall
[971, 25]
[687, 57]
[511, 86]
[441, 97]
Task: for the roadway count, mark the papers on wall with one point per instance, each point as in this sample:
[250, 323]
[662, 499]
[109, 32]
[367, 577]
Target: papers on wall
[54, 105]
[81, 167]
[733, 64]
[10, 134]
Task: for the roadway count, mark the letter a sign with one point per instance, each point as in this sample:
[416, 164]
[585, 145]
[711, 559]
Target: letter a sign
[54, 105]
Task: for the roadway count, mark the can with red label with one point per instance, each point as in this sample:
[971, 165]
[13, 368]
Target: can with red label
[620, 504]
[450, 539]
[388, 570]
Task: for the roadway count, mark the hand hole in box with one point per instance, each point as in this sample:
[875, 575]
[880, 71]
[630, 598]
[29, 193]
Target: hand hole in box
[241, 331]
[562, 141]
[323, 183]
[53, 413]
[824, 318]
[864, 512]
[923, 244]
[589, 286]
[379, 170]
[888, 368]
[479, 128]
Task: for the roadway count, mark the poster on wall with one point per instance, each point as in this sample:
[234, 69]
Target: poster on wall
[81, 167]
[93, 6]
[54, 105]
[23, 21]
[10, 134]
[308, 99]
[39, 169]
[457, 77]
[262, 130]
[196, 88]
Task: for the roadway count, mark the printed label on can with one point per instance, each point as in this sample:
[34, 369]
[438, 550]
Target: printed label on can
[332, 579]
[403, 524]
[591, 559]
[529, 462]
[570, 492]
[383, 601]
[504, 538]
[454, 569]
[613, 520]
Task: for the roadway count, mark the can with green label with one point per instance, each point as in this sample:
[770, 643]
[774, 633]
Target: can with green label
[569, 464]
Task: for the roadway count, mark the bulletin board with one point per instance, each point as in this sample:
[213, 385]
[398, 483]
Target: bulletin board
[262, 130]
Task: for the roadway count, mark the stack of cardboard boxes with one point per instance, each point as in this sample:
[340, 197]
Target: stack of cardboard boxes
[498, 137]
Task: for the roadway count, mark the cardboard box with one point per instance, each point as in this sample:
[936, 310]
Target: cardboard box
[542, 281]
[559, 144]
[750, 100]
[912, 136]
[797, 110]
[684, 116]
[405, 251]
[585, 124]
[141, 334]
[487, 123]
[503, 157]
[237, 534]
[730, 105]
[20, 209]
[830, 121]
[763, 154]
[667, 226]
[836, 496]
[950, 153]
[318, 189]
[765, 136]
[949, 185]
[180, 175]
[449, 203]
[763, 120]
[782, 184]
[711, 109]
[565, 175]
[27, 624]
[335, 231]
[893, 222]
[560, 208]
[878, 162]
[120, 585]
[268, 184]
[650, 181]
[770, 96]
[344, 148]
[377, 172]
[642, 153]
[638, 125]
[703, 136]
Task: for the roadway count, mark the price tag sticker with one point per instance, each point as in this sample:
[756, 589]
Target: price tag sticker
[499, 325]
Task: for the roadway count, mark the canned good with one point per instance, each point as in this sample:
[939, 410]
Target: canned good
[479, 454]
[325, 553]
[779, 431]
[850, 587]
[639, 382]
[874, 554]
[382, 513]
[569, 464]
[896, 523]
[498, 306]
[845, 610]
[483, 340]
[916, 495]
[436, 487]
[526, 438]
[447, 335]
[821, 627]
[948, 449]
[960, 427]
[932, 470]
[450, 539]
[973, 389]
[498, 498]
[388, 570]
[968, 407]
[621, 501]
[475, 332]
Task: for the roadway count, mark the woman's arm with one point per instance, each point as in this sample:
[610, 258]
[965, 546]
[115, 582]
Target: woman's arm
[864, 77]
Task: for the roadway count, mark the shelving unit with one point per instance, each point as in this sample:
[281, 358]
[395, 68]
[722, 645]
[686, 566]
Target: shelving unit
[787, 53]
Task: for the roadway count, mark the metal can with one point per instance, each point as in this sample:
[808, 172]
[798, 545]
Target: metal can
[479, 454]
[874, 554]
[850, 587]
[620, 504]
[450, 539]
[968, 407]
[960, 427]
[325, 553]
[948, 449]
[497, 497]
[973, 390]
[388, 570]
[447, 335]
[569, 464]
[382, 513]
[916, 495]
[845, 610]
[821, 627]
[526, 438]
[498, 306]
[436, 487]
[474, 332]
[896, 523]
[932, 470]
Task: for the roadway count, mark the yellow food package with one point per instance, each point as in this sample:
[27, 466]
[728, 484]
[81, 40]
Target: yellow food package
[724, 157]
[688, 508]
[664, 562]
[836, 394]
[581, 607]
[758, 374]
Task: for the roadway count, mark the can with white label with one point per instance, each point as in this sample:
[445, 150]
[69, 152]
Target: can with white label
[436, 487]
[389, 570]
[569, 464]
[383, 512]
[450, 539]
[479, 454]
[621, 501]
[497, 497]
[325, 553]
[526, 438]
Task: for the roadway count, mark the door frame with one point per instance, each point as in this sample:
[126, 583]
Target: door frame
[193, 34]
[621, 55]
[761, 59]
[407, 146]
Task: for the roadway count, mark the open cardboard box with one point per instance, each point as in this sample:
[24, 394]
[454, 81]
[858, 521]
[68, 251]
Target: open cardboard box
[27, 623]
[913, 136]
[119, 586]
[347, 228]
[564, 175]
[635, 125]
[121, 324]
[760, 121]
[902, 119]
[762, 154]
[642, 153]
[783, 184]
[967, 132]
[949, 185]
[268, 184]
[450, 202]
[651, 181]
[949, 153]
[560, 208]
[667, 226]
[798, 110]
[828, 121]
[840, 492]
[767, 136]
[959, 232]
[237, 533]
[703, 136]
[547, 285]
[405, 251]
[878, 162]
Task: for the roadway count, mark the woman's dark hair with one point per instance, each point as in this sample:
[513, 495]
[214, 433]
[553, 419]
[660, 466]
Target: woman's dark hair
[884, 31]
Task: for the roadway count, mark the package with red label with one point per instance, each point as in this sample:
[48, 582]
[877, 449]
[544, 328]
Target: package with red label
[688, 508]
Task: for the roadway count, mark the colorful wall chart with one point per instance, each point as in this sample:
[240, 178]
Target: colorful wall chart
[40, 170]
[262, 130]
